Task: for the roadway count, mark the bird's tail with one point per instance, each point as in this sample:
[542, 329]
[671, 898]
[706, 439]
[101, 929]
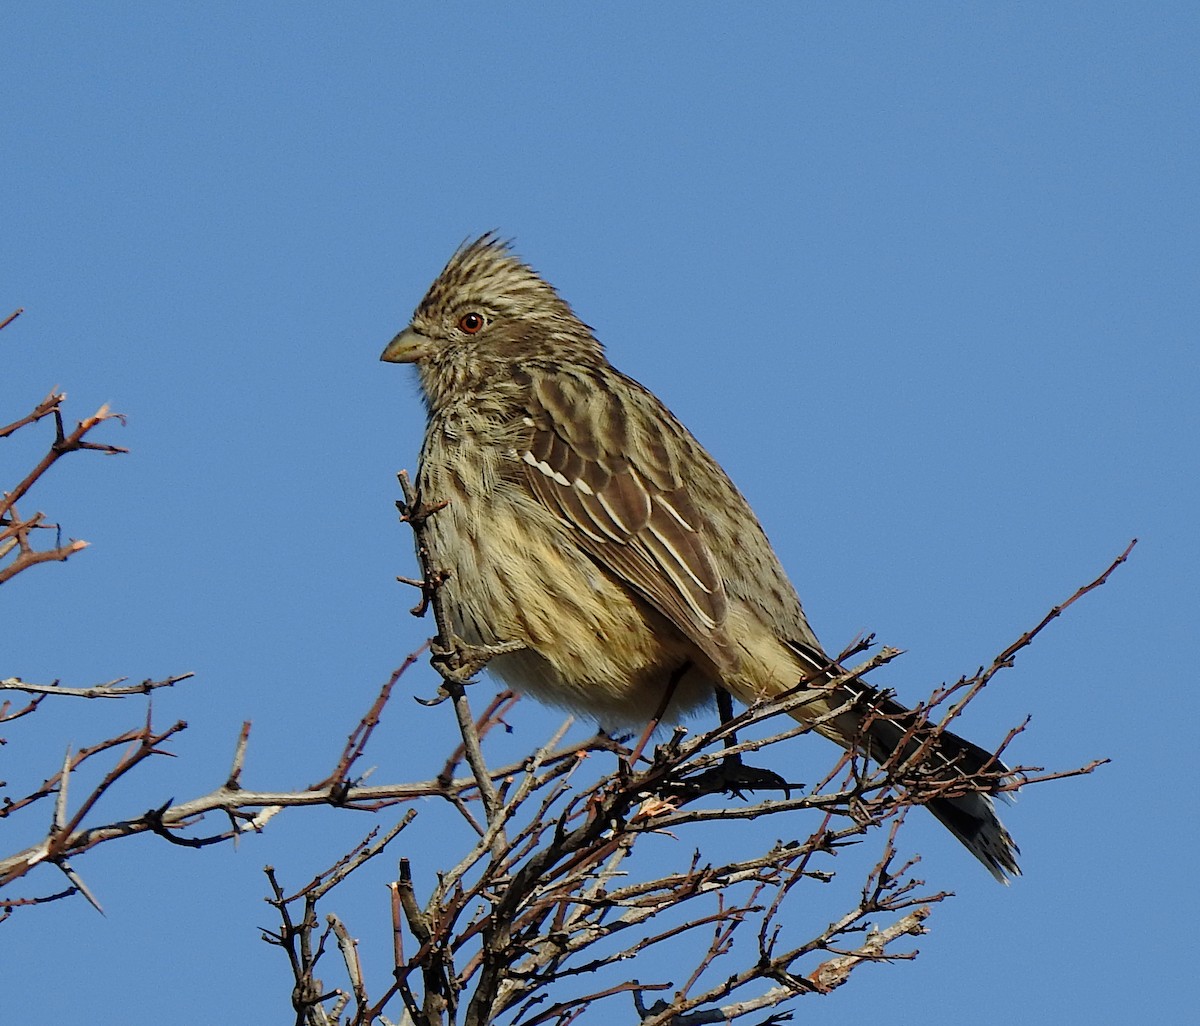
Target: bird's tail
[945, 758]
[892, 734]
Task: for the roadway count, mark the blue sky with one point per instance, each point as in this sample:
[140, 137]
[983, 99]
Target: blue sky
[922, 276]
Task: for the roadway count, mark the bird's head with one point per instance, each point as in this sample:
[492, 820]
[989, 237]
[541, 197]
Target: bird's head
[487, 315]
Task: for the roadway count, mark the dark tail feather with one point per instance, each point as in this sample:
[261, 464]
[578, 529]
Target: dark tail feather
[970, 817]
[973, 820]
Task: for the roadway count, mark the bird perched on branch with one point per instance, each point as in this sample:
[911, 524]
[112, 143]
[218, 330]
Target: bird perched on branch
[589, 525]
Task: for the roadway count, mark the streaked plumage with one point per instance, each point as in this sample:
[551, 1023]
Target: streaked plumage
[586, 522]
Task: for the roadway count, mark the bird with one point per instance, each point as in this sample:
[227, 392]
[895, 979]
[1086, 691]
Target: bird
[585, 526]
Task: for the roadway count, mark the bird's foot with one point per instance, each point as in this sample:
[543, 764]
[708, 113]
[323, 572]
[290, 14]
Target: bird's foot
[461, 660]
[733, 777]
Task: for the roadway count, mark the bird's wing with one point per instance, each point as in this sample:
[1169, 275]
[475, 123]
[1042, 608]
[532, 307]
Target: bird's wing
[605, 471]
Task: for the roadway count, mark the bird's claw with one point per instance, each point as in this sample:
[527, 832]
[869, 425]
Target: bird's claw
[459, 663]
[732, 777]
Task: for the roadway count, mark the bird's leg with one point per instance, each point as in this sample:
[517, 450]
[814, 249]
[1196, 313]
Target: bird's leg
[732, 775]
[737, 775]
[462, 660]
[660, 712]
[731, 765]
[725, 711]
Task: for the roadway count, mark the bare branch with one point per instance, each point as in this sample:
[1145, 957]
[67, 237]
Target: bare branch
[113, 689]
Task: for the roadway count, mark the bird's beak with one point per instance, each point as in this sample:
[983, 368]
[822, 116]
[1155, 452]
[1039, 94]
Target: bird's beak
[407, 347]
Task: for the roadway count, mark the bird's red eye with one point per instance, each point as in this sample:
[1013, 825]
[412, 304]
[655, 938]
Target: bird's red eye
[471, 323]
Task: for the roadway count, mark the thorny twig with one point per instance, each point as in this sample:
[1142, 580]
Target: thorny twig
[16, 545]
[541, 898]
[546, 893]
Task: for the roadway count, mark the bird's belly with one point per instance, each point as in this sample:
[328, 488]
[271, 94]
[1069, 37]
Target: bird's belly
[617, 696]
[592, 645]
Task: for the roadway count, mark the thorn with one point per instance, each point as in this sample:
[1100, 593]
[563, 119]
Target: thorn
[77, 882]
[60, 803]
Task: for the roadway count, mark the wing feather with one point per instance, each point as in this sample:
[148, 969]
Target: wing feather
[647, 535]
